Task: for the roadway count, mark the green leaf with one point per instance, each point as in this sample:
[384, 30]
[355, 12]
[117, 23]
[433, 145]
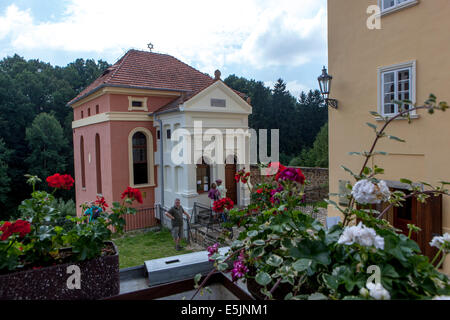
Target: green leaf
[376, 114]
[222, 266]
[252, 233]
[259, 242]
[274, 260]
[349, 171]
[257, 252]
[317, 296]
[315, 250]
[396, 138]
[197, 277]
[406, 181]
[372, 126]
[302, 264]
[263, 278]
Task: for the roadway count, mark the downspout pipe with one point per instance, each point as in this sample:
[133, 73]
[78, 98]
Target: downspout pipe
[161, 159]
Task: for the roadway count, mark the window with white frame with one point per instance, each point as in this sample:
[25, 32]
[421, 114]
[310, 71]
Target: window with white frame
[396, 83]
[388, 5]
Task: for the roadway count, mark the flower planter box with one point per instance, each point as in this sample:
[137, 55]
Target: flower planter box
[99, 279]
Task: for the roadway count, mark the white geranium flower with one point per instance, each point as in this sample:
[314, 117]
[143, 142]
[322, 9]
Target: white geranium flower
[441, 298]
[367, 192]
[377, 291]
[362, 235]
[379, 242]
[440, 241]
[364, 292]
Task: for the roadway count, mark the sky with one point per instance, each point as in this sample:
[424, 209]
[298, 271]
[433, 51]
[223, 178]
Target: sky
[256, 39]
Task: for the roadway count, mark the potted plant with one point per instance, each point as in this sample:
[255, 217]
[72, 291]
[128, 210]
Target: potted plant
[284, 253]
[42, 257]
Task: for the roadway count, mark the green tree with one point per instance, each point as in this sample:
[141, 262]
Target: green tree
[47, 143]
[317, 156]
[5, 180]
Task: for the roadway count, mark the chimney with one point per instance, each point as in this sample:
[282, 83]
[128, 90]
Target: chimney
[217, 75]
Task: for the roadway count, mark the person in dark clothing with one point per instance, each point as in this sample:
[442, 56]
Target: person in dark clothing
[176, 215]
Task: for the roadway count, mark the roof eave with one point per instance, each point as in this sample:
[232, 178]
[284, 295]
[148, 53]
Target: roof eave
[121, 86]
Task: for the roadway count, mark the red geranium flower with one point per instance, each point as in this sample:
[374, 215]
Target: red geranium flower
[275, 168]
[222, 204]
[101, 203]
[133, 194]
[21, 227]
[6, 230]
[59, 181]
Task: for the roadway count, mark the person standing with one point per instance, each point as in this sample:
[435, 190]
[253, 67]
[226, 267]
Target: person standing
[176, 215]
[221, 188]
[213, 194]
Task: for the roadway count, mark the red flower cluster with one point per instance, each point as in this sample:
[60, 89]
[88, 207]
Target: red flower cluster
[133, 194]
[242, 176]
[21, 227]
[274, 168]
[101, 202]
[60, 181]
[222, 204]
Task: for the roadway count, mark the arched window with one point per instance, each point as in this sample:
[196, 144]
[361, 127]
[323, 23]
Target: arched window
[140, 157]
[98, 164]
[83, 168]
[140, 162]
[203, 177]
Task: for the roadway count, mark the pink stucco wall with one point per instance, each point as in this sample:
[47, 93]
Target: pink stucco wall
[89, 193]
[113, 150]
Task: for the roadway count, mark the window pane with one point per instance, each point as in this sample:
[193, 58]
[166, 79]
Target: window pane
[389, 108]
[140, 165]
[388, 4]
[136, 104]
[403, 75]
[388, 88]
[389, 77]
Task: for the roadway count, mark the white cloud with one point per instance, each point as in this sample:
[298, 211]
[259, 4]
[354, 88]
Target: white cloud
[212, 33]
[14, 21]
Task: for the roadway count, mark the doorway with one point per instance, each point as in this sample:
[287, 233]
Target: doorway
[230, 182]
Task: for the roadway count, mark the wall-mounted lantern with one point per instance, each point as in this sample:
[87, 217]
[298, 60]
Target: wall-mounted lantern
[325, 86]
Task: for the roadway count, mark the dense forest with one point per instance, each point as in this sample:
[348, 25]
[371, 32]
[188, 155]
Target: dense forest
[36, 132]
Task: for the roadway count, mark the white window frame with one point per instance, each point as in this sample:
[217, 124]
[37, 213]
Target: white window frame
[140, 99]
[411, 65]
[150, 160]
[397, 6]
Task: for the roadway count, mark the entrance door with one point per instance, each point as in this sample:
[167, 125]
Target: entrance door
[230, 182]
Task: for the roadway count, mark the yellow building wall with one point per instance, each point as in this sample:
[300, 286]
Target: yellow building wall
[420, 33]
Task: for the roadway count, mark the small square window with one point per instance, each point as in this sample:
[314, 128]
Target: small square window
[158, 134]
[89, 112]
[137, 103]
[82, 114]
[169, 134]
[97, 109]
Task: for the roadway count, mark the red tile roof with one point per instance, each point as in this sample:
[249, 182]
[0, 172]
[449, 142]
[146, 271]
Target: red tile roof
[148, 70]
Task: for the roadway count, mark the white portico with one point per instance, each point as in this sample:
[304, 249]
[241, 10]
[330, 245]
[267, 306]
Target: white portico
[205, 137]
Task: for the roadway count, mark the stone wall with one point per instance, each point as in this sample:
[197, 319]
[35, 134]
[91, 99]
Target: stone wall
[316, 190]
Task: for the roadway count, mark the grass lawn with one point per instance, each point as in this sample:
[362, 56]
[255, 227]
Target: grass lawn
[134, 249]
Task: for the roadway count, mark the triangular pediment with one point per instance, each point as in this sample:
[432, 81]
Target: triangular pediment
[218, 97]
